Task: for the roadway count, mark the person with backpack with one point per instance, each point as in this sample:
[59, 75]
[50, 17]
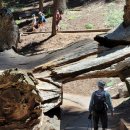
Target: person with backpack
[99, 104]
[41, 20]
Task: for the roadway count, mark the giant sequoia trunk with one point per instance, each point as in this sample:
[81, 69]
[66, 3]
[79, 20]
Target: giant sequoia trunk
[41, 5]
[19, 100]
[24, 99]
[9, 33]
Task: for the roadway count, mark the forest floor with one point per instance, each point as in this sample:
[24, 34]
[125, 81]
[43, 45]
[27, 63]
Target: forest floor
[93, 15]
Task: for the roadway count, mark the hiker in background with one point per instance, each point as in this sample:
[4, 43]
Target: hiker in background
[34, 22]
[41, 20]
[99, 104]
[58, 19]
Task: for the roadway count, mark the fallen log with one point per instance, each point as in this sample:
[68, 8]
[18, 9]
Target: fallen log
[19, 100]
[70, 54]
[71, 31]
[82, 60]
[87, 65]
[24, 99]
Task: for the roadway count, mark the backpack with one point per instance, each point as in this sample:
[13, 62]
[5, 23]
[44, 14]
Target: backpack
[99, 105]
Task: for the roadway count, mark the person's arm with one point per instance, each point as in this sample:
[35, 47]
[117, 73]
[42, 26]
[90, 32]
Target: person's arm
[91, 103]
[109, 103]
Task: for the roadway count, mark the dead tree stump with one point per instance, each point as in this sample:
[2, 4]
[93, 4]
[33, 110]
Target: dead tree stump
[9, 32]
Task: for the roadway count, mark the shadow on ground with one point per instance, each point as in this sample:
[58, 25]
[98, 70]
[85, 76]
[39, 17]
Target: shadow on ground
[32, 47]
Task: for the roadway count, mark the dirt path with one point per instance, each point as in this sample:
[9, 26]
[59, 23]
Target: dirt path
[75, 113]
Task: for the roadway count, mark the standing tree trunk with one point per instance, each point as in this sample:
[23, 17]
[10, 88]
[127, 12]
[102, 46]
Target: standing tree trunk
[127, 13]
[55, 7]
[62, 5]
[23, 1]
[1, 4]
[41, 5]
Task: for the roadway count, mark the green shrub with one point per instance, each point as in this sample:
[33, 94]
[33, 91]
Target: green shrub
[72, 15]
[113, 16]
[17, 21]
[63, 25]
[48, 13]
[89, 26]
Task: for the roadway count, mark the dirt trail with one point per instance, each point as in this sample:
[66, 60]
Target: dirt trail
[75, 113]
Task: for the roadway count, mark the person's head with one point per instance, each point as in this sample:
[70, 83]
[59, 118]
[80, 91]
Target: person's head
[101, 84]
[40, 13]
[58, 12]
[33, 15]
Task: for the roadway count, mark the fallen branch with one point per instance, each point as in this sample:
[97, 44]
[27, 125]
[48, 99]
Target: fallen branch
[78, 31]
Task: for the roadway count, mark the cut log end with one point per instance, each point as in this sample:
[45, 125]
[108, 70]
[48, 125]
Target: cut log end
[19, 100]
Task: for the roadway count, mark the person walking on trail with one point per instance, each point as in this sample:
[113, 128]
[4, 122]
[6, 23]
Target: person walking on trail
[41, 20]
[58, 19]
[99, 104]
[34, 22]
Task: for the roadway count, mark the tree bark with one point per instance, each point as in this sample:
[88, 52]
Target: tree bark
[23, 1]
[62, 5]
[25, 99]
[127, 13]
[1, 4]
[55, 7]
[19, 100]
[41, 5]
[9, 32]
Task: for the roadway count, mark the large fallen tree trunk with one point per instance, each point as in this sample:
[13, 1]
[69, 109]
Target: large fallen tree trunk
[85, 59]
[19, 100]
[92, 63]
[24, 99]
